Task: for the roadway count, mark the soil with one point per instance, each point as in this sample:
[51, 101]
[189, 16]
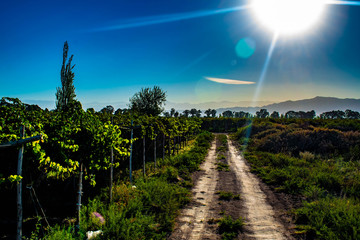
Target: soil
[265, 216]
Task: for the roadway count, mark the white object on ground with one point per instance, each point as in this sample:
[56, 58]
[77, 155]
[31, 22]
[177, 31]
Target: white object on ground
[93, 234]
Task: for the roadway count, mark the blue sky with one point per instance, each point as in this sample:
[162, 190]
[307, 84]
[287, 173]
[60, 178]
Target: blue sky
[117, 51]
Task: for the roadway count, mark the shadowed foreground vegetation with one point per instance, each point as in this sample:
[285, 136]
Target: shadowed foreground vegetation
[318, 160]
[146, 211]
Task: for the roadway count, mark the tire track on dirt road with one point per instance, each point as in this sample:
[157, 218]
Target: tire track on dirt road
[193, 218]
[260, 218]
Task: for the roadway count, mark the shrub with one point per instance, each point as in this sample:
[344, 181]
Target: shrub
[330, 218]
[307, 156]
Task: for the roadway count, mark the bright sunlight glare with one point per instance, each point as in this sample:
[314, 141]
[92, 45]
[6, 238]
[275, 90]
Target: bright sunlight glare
[288, 16]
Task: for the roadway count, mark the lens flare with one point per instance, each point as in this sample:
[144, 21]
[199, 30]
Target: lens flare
[339, 2]
[245, 48]
[265, 68]
[160, 19]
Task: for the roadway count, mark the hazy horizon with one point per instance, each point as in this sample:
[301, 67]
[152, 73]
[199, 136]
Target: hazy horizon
[178, 106]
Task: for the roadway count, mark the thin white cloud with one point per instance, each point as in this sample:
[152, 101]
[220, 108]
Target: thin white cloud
[229, 81]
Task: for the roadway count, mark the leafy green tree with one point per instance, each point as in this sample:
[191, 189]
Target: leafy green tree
[172, 112]
[275, 114]
[208, 112]
[242, 114]
[333, 115]
[198, 113]
[263, 113]
[186, 113]
[301, 114]
[290, 114]
[228, 113]
[148, 101]
[193, 112]
[66, 93]
[108, 109]
[349, 114]
[119, 111]
[310, 114]
[213, 113]
[90, 110]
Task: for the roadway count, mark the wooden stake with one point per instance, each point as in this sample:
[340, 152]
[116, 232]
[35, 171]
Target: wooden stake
[131, 150]
[163, 156]
[111, 172]
[144, 156]
[78, 204]
[155, 152]
[19, 188]
[169, 150]
[111, 166]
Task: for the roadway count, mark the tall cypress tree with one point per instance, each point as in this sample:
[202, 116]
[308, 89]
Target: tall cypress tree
[66, 93]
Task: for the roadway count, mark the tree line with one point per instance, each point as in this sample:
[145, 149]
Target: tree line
[263, 113]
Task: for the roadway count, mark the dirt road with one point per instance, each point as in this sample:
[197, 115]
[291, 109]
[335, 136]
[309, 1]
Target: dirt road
[260, 220]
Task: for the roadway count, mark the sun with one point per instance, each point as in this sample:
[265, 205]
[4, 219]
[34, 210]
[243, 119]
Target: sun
[288, 16]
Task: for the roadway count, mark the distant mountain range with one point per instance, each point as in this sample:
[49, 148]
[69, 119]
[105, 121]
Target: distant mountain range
[213, 105]
[318, 104]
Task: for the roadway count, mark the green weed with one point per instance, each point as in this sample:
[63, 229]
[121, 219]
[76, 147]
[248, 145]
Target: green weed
[220, 157]
[330, 218]
[227, 196]
[221, 149]
[61, 233]
[220, 166]
[229, 228]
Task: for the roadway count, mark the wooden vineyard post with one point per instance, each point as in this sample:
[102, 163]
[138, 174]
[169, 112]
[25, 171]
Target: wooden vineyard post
[163, 155]
[177, 145]
[155, 151]
[111, 172]
[131, 150]
[144, 170]
[78, 204]
[169, 150]
[111, 166]
[19, 187]
[174, 146]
